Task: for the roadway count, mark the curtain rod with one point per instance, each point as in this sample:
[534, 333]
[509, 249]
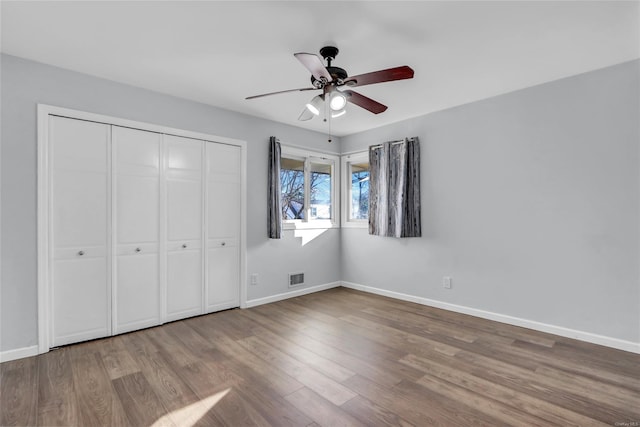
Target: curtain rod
[399, 141]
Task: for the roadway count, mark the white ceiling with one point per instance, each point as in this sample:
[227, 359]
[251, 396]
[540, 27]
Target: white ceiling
[219, 53]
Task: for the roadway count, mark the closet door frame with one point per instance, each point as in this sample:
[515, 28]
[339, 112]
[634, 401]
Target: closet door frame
[44, 225]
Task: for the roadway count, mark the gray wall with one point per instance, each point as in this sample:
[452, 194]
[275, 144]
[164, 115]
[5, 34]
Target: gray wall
[26, 83]
[530, 201]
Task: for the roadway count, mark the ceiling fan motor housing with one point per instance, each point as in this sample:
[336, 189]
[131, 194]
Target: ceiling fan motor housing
[338, 74]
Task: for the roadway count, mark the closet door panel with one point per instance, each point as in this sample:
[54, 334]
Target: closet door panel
[184, 207]
[136, 225]
[79, 145]
[138, 296]
[223, 219]
[137, 221]
[184, 272]
[137, 211]
[223, 278]
[80, 292]
[79, 208]
[80, 296]
[223, 180]
[224, 207]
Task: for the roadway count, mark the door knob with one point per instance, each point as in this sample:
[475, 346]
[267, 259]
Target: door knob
[138, 249]
[223, 243]
[184, 246]
[81, 253]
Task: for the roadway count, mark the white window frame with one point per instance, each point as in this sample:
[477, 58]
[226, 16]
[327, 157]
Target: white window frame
[345, 165]
[311, 156]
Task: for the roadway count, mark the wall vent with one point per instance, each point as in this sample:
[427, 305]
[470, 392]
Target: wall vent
[296, 279]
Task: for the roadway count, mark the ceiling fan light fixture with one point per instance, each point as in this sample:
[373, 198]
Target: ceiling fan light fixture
[338, 113]
[337, 102]
[330, 79]
[305, 115]
[314, 105]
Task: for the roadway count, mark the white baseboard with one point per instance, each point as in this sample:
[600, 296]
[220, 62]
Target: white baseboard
[292, 294]
[18, 353]
[503, 318]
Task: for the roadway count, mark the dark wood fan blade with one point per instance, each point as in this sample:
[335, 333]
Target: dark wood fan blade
[391, 74]
[314, 64]
[282, 91]
[362, 101]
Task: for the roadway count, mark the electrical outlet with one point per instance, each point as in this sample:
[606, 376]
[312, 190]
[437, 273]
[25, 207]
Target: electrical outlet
[254, 279]
[446, 282]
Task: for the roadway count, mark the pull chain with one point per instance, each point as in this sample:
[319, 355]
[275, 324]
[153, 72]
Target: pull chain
[329, 119]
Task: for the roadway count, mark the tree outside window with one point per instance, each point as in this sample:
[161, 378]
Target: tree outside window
[320, 188]
[359, 191]
[292, 187]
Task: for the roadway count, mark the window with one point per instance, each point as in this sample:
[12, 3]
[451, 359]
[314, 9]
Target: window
[355, 202]
[307, 182]
[292, 186]
[320, 185]
[359, 208]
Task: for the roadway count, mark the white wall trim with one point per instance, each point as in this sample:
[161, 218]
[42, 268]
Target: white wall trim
[42, 232]
[151, 127]
[18, 353]
[243, 226]
[292, 294]
[510, 320]
[503, 318]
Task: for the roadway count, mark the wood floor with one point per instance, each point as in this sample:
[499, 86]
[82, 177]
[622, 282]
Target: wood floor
[333, 358]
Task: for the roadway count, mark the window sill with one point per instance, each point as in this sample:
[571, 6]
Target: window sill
[355, 224]
[317, 224]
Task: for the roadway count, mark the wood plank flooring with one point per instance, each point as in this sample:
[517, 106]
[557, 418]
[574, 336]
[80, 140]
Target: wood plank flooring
[333, 358]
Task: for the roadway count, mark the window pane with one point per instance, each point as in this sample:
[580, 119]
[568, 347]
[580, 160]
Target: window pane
[292, 187]
[320, 187]
[359, 191]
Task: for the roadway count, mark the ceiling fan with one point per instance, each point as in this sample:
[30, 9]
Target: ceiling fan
[331, 79]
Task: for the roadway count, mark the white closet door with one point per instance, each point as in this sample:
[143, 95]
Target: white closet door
[223, 220]
[80, 291]
[184, 229]
[136, 228]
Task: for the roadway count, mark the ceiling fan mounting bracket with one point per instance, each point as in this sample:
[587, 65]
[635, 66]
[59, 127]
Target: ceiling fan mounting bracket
[329, 53]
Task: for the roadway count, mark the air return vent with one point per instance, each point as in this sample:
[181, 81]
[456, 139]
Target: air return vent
[296, 279]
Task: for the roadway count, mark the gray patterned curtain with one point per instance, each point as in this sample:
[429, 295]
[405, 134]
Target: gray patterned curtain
[394, 189]
[275, 211]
